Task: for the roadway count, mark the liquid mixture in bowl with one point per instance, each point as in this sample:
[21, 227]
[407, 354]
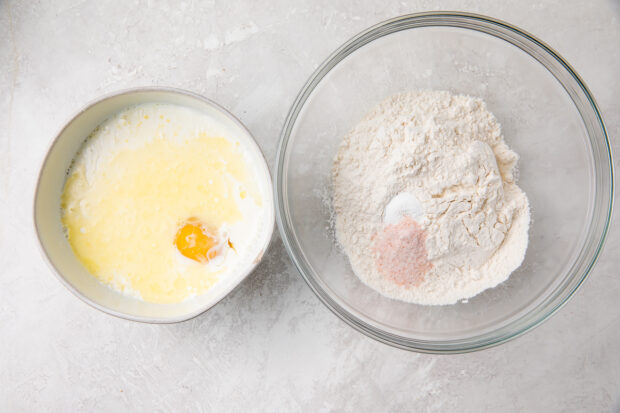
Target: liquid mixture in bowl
[163, 201]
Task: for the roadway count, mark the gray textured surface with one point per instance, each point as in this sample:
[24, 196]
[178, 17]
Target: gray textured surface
[271, 345]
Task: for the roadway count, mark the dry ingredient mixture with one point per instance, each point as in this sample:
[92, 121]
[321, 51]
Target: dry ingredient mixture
[426, 202]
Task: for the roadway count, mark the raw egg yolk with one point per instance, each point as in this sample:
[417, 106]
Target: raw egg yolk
[192, 241]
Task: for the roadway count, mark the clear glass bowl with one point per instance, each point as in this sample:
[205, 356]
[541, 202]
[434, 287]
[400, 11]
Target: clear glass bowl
[548, 116]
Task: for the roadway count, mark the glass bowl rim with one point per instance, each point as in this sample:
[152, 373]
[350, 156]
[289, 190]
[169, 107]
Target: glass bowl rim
[551, 303]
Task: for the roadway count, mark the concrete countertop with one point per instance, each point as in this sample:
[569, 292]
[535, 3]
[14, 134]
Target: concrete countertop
[270, 345]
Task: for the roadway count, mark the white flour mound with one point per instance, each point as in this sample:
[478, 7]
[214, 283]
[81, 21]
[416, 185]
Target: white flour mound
[448, 151]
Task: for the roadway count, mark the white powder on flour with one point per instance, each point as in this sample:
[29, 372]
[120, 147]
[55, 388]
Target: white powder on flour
[448, 152]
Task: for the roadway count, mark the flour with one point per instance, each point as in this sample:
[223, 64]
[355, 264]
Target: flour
[448, 152]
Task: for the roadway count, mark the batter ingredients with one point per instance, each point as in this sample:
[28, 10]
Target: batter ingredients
[402, 205]
[163, 201]
[427, 207]
[400, 253]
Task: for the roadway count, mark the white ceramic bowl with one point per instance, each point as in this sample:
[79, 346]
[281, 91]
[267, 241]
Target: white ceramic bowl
[47, 210]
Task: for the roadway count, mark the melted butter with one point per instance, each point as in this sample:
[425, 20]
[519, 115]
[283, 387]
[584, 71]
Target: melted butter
[122, 220]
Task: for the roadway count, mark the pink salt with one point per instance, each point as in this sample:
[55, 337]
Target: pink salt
[400, 253]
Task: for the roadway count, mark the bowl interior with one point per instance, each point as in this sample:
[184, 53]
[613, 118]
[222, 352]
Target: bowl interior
[47, 209]
[540, 121]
